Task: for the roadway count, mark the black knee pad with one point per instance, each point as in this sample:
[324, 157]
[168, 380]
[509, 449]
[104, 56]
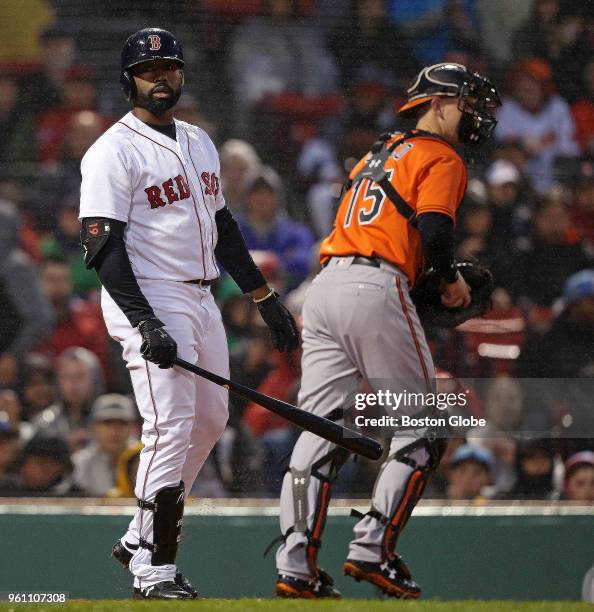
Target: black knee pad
[168, 512]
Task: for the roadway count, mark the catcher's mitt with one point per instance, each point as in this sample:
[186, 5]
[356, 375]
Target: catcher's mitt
[427, 298]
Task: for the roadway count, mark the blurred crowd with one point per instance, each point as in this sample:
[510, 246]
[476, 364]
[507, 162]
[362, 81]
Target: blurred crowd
[293, 92]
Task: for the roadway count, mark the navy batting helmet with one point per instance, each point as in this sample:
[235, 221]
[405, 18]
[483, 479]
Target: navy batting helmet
[477, 98]
[146, 45]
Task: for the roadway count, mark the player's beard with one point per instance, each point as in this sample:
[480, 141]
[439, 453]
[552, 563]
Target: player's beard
[157, 106]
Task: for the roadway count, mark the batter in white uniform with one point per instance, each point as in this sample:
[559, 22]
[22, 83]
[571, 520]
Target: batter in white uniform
[154, 224]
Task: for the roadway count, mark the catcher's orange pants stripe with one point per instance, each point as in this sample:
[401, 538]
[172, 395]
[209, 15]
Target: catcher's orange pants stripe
[318, 527]
[412, 330]
[412, 493]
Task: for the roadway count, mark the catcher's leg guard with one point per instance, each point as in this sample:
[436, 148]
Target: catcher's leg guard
[325, 470]
[411, 492]
[336, 459]
[168, 511]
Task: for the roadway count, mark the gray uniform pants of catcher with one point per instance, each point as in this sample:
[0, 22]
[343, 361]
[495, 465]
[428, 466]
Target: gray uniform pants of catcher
[359, 323]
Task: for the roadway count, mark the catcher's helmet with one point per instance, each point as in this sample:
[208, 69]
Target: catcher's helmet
[477, 98]
[143, 46]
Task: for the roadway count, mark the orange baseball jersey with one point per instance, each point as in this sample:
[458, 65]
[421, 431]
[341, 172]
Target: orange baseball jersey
[428, 174]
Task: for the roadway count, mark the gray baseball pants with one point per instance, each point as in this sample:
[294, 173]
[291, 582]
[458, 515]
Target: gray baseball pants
[359, 324]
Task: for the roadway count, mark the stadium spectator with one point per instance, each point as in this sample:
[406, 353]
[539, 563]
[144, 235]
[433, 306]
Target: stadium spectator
[238, 453]
[499, 21]
[9, 447]
[59, 180]
[583, 112]
[238, 457]
[535, 464]
[321, 177]
[274, 53]
[475, 228]
[368, 113]
[437, 26]
[372, 43]
[470, 473]
[79, 383]
[266, 228]
[126, 470]
[16, 126]
[238, 161]
[578, 482]
[76, 322]
[510, 201]
[78, 93]
[494, 217]
[64, 243]
[504, 413]
[238, 312]
[112, 422]
[15, 191]
[438, 483]
[44, 469]
[10, 408]
[276, 435]
[534, 114]
[532, 36]
[187, 110]
[582, 209]
[558, 35]
[554, 252]
[38, 388]
[26, 316]
[569, 50]
[567, 349]
[296, 298]
[41, 90]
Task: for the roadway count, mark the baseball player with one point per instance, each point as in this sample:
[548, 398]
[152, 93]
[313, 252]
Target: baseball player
[154, 224]
[396, 216]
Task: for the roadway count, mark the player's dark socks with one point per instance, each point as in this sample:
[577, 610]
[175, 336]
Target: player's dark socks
[162, 590]
[123, 555]
[321, 587]
[392, 577]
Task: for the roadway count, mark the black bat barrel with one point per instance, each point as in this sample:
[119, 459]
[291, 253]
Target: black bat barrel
[333, 432]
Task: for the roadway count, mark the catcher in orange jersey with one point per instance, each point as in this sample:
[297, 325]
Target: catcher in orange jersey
[396, 216]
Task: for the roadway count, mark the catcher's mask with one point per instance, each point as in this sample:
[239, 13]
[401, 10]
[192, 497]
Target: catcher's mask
[477, 98]
[143, 46]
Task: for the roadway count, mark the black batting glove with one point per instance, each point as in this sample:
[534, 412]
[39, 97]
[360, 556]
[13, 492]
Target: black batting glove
[283, 329]
[157, 345]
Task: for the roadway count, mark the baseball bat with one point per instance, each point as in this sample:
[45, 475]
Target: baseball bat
[333, 432]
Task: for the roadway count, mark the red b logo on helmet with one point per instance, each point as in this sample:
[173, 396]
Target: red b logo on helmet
[155, 41]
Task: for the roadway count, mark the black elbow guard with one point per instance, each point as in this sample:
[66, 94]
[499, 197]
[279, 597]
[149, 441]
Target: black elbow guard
[95, 233]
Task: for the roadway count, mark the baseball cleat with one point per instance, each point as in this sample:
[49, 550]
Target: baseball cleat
[123, 555]
[162, 590]
[392, 577]
[186, 585]
[321, 587]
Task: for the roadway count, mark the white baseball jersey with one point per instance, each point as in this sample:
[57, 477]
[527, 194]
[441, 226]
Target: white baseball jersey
[166, 191]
